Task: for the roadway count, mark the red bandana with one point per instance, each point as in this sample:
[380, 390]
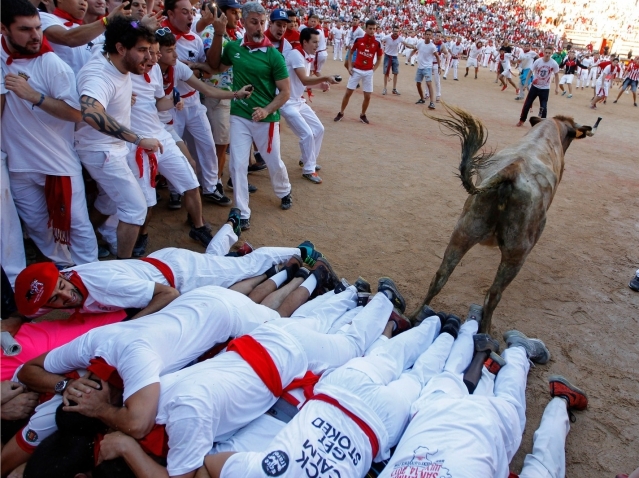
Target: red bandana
[232, 33]
[67, 16]
[57, 191]
[74, 278]
[153, 163]
[177, 34]
[106, 372]
[252, 45]
[44, 48]
[299, 48]
[147, 78]
[167, 79]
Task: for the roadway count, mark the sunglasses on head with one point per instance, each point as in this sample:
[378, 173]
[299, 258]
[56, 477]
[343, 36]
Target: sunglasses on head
[162, 31]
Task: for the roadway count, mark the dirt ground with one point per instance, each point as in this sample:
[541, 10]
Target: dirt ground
[389, 202]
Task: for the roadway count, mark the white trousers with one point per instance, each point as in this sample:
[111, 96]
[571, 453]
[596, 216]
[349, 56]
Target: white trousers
[322, 56]
[243, 133]
[337, 49]
[592, 76]
[383, 381]
[437, 82]
[31, 203]
[548, 458]
[308, 128]
[454, 64]
[194, 120]
[325, 351]
[582, 78]
[325, 312]
[12, 255]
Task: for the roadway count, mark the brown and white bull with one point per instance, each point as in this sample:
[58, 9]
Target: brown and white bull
[509, 197]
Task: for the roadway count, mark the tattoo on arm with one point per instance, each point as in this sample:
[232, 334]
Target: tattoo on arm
[94, 114]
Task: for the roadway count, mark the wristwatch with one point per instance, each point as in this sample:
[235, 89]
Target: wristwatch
[138, 138]
[61, 386]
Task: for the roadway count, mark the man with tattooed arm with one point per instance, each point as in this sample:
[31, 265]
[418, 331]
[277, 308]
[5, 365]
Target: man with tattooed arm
[104, 86]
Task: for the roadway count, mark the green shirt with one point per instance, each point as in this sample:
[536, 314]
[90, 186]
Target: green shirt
[258, 68]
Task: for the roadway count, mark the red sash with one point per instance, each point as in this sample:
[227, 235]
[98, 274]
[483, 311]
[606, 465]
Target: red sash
[153, 163]
[105, 372]
[163, 268]
[57, 191]
[177, 34]
[260, 361]
[368, 431]
[306, 383]
[190, 93]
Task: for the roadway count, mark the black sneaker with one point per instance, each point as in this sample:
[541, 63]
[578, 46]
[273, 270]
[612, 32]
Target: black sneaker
[236, 219]
[341, 286]
[485, 343]
[251, 188]
[287, 202]
[362, 285]
[451, 326]
[218, 197]
[257, 166]
[389, 289]
[338, 117]
[140, 245]
[201, 234]
[423, 314]
[326, 277]
[245, 224]
[431, 106]
[634, 283]
[309, 253]
[420, 101]
[364, 119]
[175, 201]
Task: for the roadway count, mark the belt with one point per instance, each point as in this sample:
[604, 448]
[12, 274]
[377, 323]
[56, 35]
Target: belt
[190, 93]
[164, 269]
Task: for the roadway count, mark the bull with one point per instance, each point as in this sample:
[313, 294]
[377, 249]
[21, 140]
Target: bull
[509, 195]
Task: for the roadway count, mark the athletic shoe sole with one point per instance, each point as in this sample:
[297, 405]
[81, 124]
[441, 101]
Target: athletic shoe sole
[577, 398]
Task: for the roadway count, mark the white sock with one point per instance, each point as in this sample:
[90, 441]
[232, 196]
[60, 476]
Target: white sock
[279, 278]
[310, 283]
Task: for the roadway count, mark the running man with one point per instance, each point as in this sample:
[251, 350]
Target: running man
[543, 69]
[631, 78]
[476, 50]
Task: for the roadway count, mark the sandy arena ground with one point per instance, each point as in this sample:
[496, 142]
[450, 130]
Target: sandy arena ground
[390, 200]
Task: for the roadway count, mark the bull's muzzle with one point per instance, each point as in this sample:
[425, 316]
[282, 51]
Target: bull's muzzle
[594, 128]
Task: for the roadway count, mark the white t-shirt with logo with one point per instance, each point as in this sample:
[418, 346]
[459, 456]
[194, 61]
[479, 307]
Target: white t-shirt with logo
[75, 57]
[425, 54]
[320, 441]
[544, 71]
[102, 81]
[189, 50]
[144, 113]
[295, 59]
[390, 45]
[34, 140]
[145, 349]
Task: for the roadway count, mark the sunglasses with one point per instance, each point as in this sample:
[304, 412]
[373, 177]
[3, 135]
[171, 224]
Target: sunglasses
[162, 31]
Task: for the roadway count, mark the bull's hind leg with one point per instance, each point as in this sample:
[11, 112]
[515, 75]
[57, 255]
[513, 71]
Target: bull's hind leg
[460, 243]
[511, 262]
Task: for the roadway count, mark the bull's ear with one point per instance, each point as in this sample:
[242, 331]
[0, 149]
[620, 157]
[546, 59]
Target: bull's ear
[582, 131]
[534, 120]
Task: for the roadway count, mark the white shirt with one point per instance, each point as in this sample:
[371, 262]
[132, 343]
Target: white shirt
[320, 437]
[181, 73]
[456, 49]
[189, 50]
[391, 47]
[338, 33]
[475, 52]
[425, 54]
[505, 62]
[145, 349]
[75, 57]
[295, 59]
[34, 140]
[412, 41]
[144, 113]
[102, 81]
[351, 35]
[543, 72]
[526, 60]
[208, 401]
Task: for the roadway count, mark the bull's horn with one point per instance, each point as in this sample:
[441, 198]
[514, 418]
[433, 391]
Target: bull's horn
[594, 128]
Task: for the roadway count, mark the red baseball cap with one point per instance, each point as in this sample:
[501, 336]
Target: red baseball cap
[34, 287]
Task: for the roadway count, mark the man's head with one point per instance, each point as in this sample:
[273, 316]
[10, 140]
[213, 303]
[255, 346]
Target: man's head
[571, 54]
[313, 21]
[97, 8]
[395, 31]
[479, 44]
[428, 35]
[180, 14]
[42, 285]
[130, 41]
[355, 21]
[370, 27]
[278, 23]
[294, 20]
[526, 47]
[548, 51]
[254, 19]
[309, 38]
[154, 55]
[231, 9]
[76, 8]
[21, 26]
[138, 9]
[166, 43]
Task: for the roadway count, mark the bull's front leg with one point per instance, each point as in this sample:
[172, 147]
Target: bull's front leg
[511, 263]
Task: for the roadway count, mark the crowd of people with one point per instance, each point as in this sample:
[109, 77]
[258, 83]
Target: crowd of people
[252, 362]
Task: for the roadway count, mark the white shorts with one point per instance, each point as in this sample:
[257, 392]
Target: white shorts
[366, 76]
[601, 88]
[471, 63]
[566, 79]
[506, 74]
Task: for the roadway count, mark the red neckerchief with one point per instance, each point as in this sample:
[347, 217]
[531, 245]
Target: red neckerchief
[293, 36]
[153, 163]
[273, 40]
[57, 192]
[232, 33]
[355, 28]
[394, 36]
[252, 45]
[74, 278]
[299, 48]
[70, 21]
[147, 78]
[167, 79]
[44, 48]
[177, 34]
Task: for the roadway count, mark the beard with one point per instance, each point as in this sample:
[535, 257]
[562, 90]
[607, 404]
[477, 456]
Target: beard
[133, 66]
[257, 36]
[28, 49]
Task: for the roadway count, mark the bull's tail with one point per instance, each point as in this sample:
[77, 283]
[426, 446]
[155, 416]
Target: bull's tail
[472, 136]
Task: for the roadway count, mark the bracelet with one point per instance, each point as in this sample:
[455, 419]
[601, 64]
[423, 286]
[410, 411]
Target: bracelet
[218, 34]
[105, 21]
[39, 102]
[138, 138]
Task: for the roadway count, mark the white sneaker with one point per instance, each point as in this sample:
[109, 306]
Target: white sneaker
[384, 91]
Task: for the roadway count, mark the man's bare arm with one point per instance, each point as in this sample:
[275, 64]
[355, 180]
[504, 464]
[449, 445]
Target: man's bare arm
[215, 463]
[163, 295]
[119, 445]
[34, 376]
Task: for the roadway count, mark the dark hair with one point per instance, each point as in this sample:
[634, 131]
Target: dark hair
[370, 22]
[168, 39]
[428, 30]
[169, 5]
[76, 424]
[291, 13]
[305, 35]
[126, 32]
[61, 455]
[16, 8]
